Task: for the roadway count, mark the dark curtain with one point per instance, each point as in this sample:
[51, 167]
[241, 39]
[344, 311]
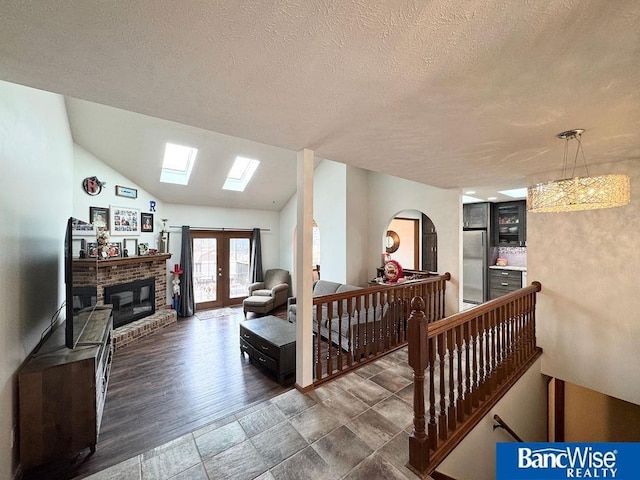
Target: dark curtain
[256, 257]
[186, 306]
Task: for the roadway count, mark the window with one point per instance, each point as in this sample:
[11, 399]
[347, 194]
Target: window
[177, 164]
[240, 174]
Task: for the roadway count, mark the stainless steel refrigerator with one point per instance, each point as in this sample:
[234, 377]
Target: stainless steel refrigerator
[474, 266]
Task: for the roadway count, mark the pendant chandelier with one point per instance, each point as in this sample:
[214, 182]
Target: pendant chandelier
[578, 193]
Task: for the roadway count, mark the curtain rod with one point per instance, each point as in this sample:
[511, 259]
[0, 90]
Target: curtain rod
[221, 229]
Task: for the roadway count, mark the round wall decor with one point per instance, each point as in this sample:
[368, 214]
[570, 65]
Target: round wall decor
[92, 186]
[392, 241]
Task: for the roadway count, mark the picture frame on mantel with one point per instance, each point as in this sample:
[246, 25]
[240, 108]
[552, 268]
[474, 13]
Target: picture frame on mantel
[130, 247]
[124, 221]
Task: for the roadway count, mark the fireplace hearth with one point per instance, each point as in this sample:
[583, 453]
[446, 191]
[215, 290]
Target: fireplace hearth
[131, 301]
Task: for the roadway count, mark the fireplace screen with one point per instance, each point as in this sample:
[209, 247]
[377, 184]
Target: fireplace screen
[131, 301]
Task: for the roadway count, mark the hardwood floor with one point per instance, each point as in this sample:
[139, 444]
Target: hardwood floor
[168, 384]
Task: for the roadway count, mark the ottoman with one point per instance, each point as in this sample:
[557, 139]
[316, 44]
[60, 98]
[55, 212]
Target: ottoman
[257, 304]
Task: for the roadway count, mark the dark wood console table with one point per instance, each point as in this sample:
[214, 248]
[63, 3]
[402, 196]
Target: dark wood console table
[271, 343]
[62, 391]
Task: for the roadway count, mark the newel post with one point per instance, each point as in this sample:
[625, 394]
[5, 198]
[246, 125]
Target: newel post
[418, 360]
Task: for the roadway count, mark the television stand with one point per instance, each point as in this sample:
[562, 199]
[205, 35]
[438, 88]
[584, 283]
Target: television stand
[62, 392]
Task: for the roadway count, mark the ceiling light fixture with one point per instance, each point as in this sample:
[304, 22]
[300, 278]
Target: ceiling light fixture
[578, 193]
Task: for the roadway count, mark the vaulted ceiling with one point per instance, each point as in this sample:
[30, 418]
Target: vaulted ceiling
[450, 93]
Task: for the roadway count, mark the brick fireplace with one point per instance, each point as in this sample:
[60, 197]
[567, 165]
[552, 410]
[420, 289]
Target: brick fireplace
[117, 271]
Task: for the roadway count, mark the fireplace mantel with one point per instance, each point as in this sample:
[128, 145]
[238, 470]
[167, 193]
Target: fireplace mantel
[121, 261]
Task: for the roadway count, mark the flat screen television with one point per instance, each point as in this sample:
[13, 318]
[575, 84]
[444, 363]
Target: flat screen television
[80, 290]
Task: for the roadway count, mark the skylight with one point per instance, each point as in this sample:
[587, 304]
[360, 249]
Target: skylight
[240, 174]
[468, 199]
[177, 164]
[515, 193]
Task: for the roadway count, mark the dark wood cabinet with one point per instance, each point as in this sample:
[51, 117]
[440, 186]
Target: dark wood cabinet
[502, 282]
[270, 343]
[510, 224]
[62, 392]
[475, 215]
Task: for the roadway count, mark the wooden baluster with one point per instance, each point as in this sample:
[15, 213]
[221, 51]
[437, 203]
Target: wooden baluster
[329, 339]
[418, 361]
[494, 351]
[451, 412]
[467, 369]
[432, 427]
[486, 390]
[356, 349]
[521, 332]
[400, 321]
[319, 342]
[511, 338]
[442, 419]
[350, 346]
[481, 355]
[473, 327]
[381, 320]
[339, 334]
[531, 336]
[460, 384]
[503, 341]
[525, 325]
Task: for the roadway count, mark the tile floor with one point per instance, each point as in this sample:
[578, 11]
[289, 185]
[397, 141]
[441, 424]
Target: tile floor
[355, 427]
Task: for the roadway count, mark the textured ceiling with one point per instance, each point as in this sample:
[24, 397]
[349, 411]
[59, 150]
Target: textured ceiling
[448, 93]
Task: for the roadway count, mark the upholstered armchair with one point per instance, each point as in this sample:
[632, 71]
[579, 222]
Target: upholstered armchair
[275, 285]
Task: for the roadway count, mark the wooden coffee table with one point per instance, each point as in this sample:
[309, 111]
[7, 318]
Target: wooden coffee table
[270, 343]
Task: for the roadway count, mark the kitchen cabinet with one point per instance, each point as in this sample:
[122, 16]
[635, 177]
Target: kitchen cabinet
[510, 224]
[502, 282]
[475, 215]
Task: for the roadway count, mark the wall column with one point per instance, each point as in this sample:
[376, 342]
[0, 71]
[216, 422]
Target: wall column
[303, 271]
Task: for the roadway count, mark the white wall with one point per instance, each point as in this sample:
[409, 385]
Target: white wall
[36, 189]
[87, 165]
[357, 241]
[587, 318]
[330, 213]
[287, 229]
[441, 206]
[523, 408]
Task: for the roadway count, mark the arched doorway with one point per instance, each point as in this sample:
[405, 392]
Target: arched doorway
[411, 239]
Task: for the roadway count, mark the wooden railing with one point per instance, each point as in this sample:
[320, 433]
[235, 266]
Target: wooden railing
[355, 327]
[471, 359]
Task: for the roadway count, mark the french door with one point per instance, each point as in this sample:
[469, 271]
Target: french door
[221, 261]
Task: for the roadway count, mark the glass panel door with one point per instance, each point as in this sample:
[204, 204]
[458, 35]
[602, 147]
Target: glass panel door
[205, 271]
[239, 264]
[221, 262]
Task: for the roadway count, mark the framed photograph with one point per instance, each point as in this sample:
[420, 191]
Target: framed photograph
[92, 249]
[80, 226]
[115, 249]
[126, 192]
[77, 244]
[143, 249]
[124, 221]
[146, 220]
[99, 217]
[130, 246]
